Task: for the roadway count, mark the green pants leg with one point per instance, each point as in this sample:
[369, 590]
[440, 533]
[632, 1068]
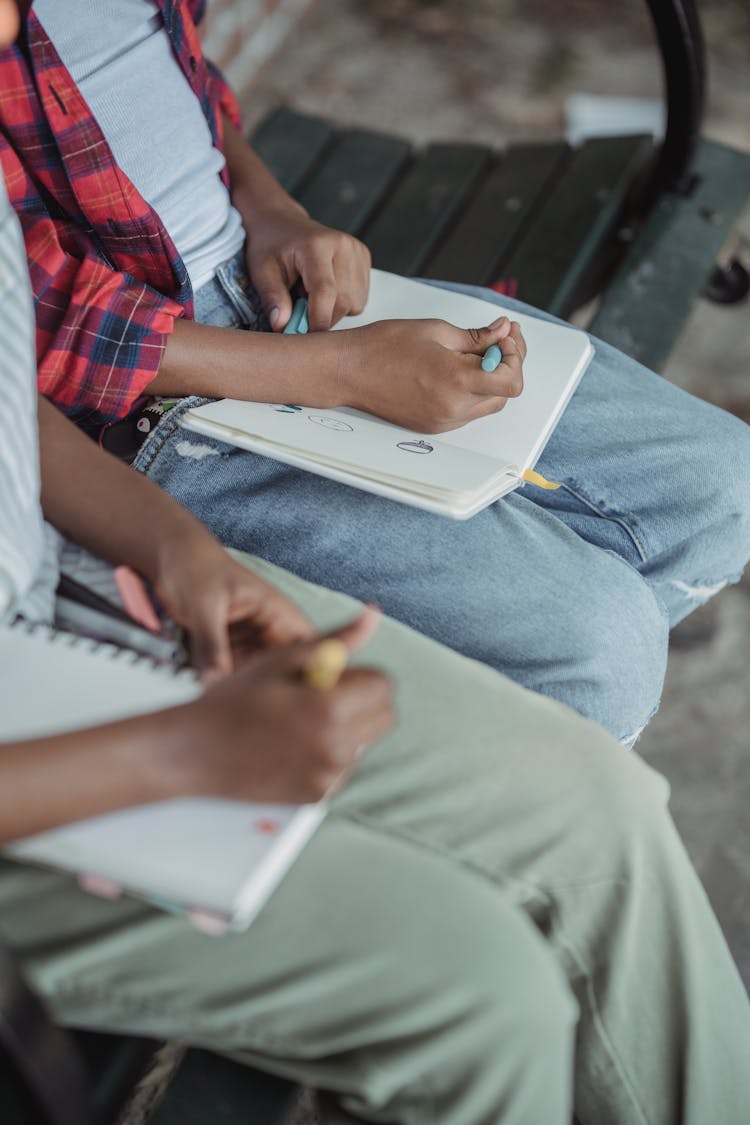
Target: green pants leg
[495, 864]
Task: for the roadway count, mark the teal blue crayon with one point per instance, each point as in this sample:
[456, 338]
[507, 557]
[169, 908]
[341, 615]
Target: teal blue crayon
[298, 320]
[492, 358]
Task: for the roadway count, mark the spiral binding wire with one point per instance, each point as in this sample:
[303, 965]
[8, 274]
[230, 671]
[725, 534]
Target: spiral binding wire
[106, 649]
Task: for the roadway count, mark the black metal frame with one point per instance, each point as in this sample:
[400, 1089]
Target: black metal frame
[681, 44]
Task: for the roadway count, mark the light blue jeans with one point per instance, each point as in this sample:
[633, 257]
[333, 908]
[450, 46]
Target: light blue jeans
[570, 593]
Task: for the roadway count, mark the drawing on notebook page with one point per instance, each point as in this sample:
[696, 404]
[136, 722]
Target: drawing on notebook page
[331, 423]
[415, 446]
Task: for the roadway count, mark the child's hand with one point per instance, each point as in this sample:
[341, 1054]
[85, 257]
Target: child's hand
[426, 375]
[265, 734]
[287, 245]
[228, 611]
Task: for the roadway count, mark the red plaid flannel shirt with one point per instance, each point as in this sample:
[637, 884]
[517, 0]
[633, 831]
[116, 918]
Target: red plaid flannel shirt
[108, 282]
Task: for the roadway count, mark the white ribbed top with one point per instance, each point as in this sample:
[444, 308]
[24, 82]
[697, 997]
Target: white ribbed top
[121, 58]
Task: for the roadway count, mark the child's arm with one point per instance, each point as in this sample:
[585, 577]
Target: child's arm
[122, 516]
[284, 244]
[422, 374]
[425, 375]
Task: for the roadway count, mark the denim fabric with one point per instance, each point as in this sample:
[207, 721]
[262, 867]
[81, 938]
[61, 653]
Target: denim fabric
[570, 593]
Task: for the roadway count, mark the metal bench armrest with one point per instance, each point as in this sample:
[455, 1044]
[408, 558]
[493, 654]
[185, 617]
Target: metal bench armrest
[680, 36]
[40, 1053]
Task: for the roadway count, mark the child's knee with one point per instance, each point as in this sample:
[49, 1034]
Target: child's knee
[729, 464]
[618, 654]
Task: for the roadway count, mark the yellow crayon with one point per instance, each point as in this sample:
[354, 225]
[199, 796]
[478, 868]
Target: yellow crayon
[326, 664]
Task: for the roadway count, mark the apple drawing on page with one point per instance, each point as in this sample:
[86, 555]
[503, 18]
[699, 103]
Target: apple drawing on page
[415, 446]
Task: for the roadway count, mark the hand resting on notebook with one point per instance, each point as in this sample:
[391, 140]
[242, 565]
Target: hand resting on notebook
[426, 375]
[284, 244]
[261, 734]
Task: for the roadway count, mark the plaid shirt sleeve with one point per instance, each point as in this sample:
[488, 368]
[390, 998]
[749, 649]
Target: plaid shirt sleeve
[223, 96]
[197, 9]
[100, 333]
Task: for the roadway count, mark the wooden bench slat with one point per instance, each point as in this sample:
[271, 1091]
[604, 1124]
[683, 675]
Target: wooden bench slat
[496, 216]
[210, 1090]
[115, 1064]
[358, 169]
[552, 260]
[423, 205]
[653, 291]
[291, 144]
[18, 1105]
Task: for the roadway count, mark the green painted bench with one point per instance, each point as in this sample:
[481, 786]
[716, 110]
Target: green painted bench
[638, 225]
[553, 225]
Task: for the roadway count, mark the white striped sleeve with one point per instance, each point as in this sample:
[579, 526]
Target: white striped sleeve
[22, 540]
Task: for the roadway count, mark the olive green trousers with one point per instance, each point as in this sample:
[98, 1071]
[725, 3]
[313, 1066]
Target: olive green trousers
[497, 924]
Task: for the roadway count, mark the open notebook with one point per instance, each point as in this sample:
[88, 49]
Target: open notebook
[455, 474]
[216, 860]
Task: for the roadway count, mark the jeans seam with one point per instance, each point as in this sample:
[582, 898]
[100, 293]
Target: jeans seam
[621, 521]
[597, 1021]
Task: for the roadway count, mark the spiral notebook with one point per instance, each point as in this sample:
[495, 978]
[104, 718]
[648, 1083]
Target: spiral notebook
[454, 474]
[215, 860]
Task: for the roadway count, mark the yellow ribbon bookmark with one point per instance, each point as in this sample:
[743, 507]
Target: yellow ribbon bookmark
[541, 482]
